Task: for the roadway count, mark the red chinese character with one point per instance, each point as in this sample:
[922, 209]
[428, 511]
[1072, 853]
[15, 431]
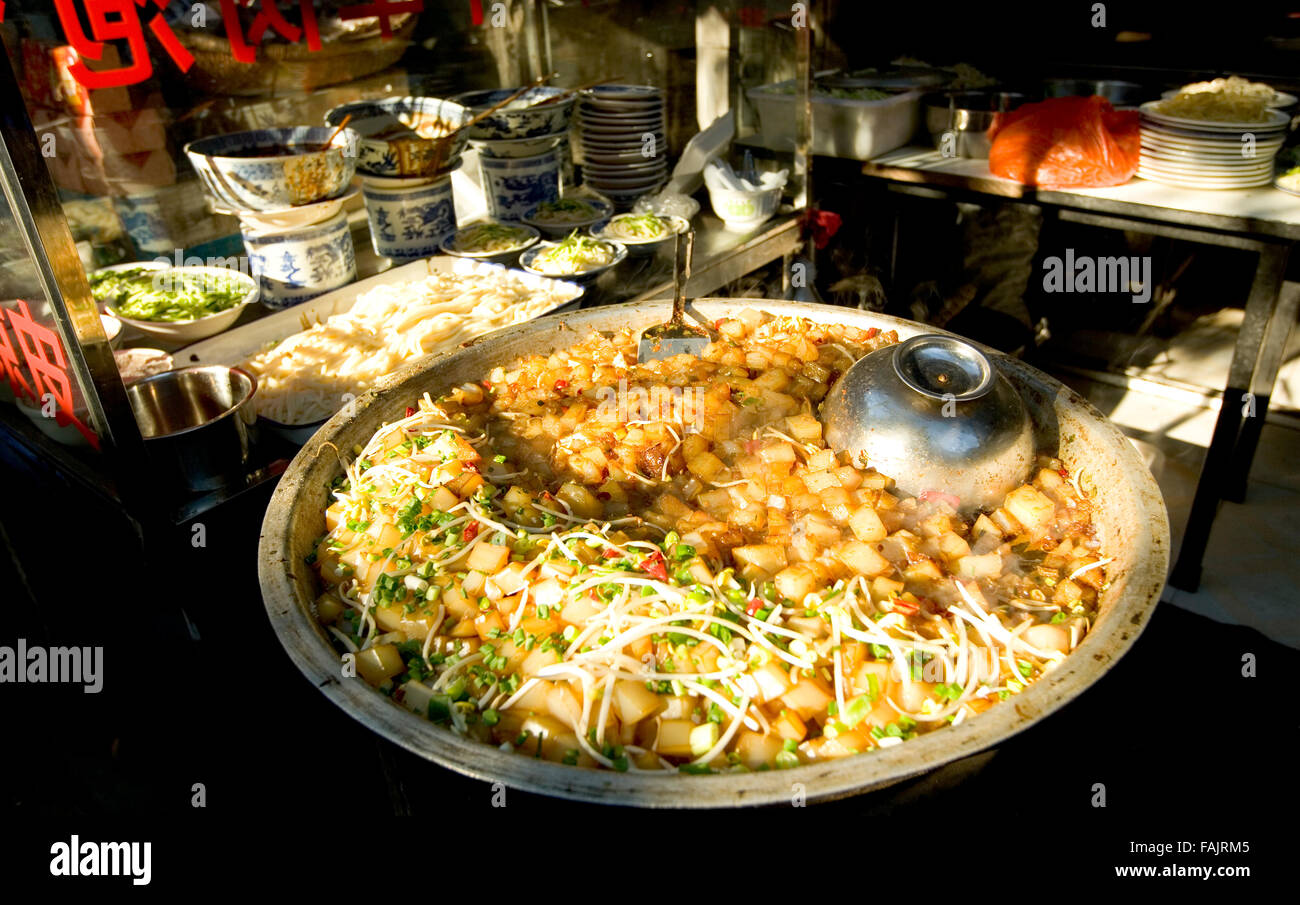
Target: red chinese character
[268, 16]
[13, 367]
[124, 23]
[43, 354]
[382, 9]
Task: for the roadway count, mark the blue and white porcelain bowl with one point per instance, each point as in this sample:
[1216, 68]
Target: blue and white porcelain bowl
[412, 222]
[271, 169]
[513, 186]
[519, 147]
[519, 119]
[381, 152]
[293, 266]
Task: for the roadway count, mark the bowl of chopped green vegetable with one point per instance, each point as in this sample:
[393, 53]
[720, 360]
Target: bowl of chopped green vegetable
[575, 257]
[643, 234]
[177, 304]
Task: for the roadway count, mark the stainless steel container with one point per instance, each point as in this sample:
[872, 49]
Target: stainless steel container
[1131, 524]
[1119, 93]
[195, 423]
[934, 413]
[967, 116]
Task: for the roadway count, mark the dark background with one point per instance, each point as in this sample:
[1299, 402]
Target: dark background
[198, 690]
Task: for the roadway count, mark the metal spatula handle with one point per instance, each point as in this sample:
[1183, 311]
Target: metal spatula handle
[683, 252]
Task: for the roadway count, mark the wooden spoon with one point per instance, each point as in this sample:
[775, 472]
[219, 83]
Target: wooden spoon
[335, 134]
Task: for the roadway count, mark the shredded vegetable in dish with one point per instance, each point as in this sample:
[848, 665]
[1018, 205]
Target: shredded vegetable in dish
[637, 228]
[575, 254]
[490, 237]
[154, 294]
[688, 581]
[569, 210]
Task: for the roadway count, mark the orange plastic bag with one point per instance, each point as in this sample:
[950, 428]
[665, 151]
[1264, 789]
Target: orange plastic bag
[1078, 142]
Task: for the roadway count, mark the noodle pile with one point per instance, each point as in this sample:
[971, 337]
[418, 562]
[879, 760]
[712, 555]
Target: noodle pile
[303, 378]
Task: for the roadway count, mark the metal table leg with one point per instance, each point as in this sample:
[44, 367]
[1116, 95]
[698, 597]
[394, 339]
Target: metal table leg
[1261, 388]
[1214, 478]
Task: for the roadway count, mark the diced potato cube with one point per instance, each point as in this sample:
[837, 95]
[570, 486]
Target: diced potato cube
[1031, 508]
[797, 582]
[778, 451]
[867, 526]
[953, 545]
[703, 738]
[765, 557]
[862, 558]
[804, 427]
[674, 737]
[537, 659]
[987, 565]
[564, 705]
[581, 500]
[328, 608]
[808, 698]
[488, 558]
[771, 682]
[788, 725]
[633, 701]
[1048, 637]
[756, 749]
[375, 664]
[579, 610]
[817, 481]
[705, 465]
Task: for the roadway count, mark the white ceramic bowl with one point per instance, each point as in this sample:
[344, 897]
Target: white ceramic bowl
[528, 257]
[741, 210]
[112, 328]
[493, 257]
[185, 332]
[635, 246]
[601, 210]
[297, 217]
[511, 148]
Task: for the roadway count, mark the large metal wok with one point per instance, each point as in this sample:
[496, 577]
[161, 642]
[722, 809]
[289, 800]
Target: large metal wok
[1133, 527]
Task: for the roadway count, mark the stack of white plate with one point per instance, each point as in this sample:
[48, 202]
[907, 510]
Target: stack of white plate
[621, 131]
[1203, 154]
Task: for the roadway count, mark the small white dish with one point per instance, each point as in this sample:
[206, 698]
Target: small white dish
[527, 259]
[611, 232]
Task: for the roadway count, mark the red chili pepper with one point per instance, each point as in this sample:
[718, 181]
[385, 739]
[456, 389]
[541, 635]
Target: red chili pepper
[717, 325]
[611, 553]
[409, 411]
[872, 331]
[653, 565]
[469, 466]
[561, 384]
[754, 606]
[471, 531]
[902, 606]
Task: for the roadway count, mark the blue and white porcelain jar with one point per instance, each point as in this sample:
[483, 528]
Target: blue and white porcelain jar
[407, 223]
[295, 265]
[515, 185]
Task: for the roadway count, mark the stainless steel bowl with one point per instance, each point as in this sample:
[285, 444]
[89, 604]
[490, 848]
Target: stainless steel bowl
[1118, 92]
[195, 423]
[934, 413]
[968, 116]
[1131, 522]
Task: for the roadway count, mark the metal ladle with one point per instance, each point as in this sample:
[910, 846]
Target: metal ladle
[935, 414]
